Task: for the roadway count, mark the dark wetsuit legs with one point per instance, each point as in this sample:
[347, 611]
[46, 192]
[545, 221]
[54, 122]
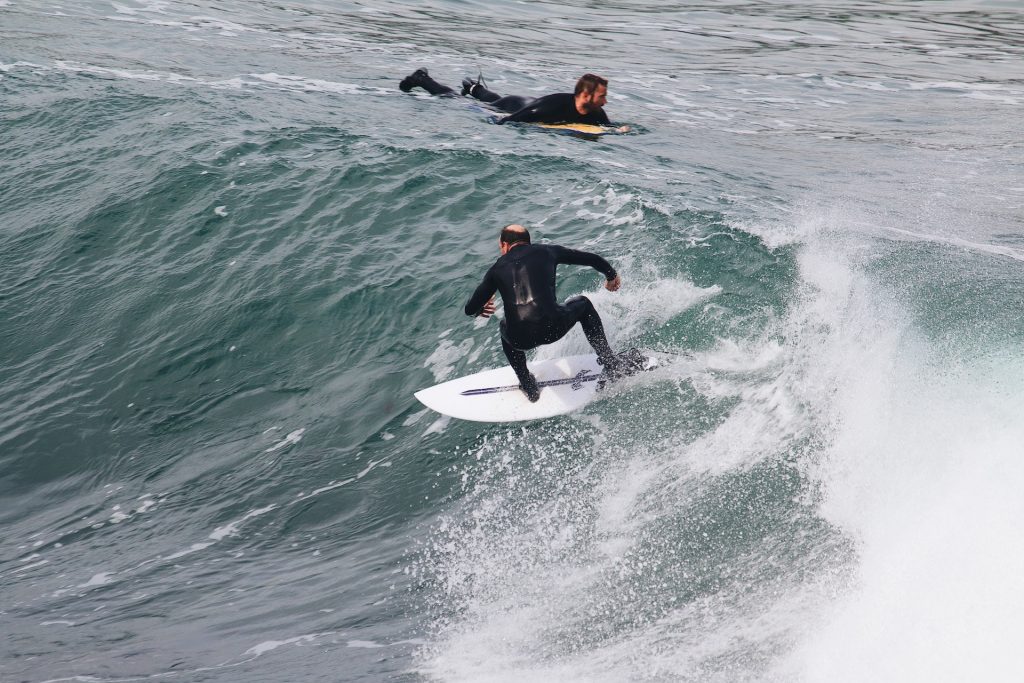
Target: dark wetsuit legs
[509, 103]
[578, 309]
[435, 88]
[420, 78]
[473, 88]
[584, 312]
[516, 358]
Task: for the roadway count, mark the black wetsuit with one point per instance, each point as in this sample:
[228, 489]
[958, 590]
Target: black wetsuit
[525, 278]
[557, 108]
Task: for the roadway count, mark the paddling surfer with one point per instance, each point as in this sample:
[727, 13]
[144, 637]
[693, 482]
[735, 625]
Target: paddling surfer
[584, 105]
[524, 275]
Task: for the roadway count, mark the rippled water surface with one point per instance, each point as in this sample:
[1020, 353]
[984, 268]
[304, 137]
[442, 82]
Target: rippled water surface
[231, 249]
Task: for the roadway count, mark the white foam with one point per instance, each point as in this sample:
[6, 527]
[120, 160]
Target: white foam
[1004, 99]
[33, 565]
[634, 307]
[270, 645]
[1009, 252]
[415, 417]
[195, 547]
[707, 113]
[155, 6]
[316, 85]
[291, 439]
[922, 471]
[123, 73]
[781, 37]
[442, 361]
[101, 579]
[148, 75]
[614, 203]
[365, 644]
[344, 482]
[956, 85]
[231, 529]
[223, 26]
[925, 473]
[227, 83]
[438, 426]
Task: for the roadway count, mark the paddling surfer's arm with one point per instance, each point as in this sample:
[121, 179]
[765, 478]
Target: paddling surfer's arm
[482, 301]
[576, 257]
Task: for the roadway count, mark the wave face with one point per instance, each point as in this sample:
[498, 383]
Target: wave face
[231, 250]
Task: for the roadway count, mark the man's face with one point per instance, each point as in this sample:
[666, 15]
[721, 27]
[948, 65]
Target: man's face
[596, 99]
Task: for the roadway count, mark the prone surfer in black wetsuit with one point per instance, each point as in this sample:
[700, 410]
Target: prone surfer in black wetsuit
[524, 275]
[584, 105]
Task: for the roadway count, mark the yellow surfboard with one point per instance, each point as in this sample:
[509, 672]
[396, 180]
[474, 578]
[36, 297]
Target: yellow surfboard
[585, 128]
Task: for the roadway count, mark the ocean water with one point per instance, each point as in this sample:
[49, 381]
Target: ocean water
[231, 250]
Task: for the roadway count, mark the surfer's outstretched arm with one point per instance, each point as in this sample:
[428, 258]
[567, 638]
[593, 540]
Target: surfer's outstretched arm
[482, 301]
[575, 257]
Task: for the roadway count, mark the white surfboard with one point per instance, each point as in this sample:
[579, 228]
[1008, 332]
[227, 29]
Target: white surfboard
[566, 384]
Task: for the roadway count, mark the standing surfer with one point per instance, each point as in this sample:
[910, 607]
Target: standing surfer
[524, 275]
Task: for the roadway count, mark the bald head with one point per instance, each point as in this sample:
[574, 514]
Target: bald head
[515, 234]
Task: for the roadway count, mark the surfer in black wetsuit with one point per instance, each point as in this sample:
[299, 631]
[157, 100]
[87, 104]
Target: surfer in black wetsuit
[524, 275]
[584, 105]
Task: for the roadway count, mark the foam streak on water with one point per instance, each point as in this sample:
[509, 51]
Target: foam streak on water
[231, 250]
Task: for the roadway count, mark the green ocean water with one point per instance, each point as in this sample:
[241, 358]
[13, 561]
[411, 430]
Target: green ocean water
[231, 249]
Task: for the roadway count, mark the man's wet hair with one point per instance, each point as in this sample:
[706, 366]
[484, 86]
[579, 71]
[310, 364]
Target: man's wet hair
[588, 83]
[515, 234]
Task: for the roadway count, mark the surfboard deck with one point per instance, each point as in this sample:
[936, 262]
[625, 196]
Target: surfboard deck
[567, 384]
[585, 128]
